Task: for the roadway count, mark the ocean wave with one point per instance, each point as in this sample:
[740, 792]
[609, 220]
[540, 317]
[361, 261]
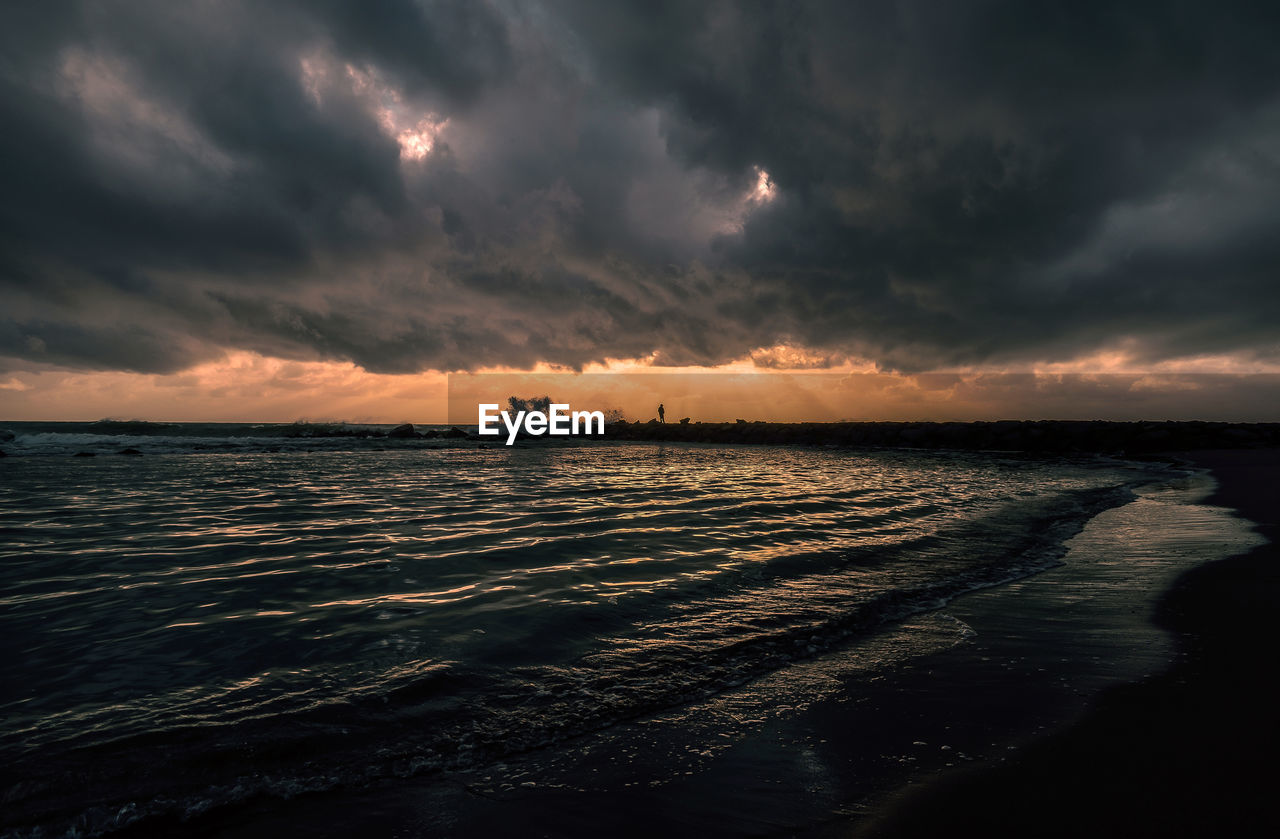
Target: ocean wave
[279, 625]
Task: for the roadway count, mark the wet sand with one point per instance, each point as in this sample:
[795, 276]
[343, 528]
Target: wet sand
[1190, 752]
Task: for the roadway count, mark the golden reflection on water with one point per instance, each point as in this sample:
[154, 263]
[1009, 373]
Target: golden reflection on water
[256, 583]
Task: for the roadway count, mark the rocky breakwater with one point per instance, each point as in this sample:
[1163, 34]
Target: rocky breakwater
[406, 431]
[1058, 436]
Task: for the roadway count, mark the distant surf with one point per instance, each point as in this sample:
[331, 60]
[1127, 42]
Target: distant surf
[113, 437]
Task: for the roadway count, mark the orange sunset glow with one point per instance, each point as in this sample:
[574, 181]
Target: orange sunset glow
[777, 384]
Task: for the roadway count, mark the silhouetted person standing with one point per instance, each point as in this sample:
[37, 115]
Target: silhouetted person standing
[662, 413]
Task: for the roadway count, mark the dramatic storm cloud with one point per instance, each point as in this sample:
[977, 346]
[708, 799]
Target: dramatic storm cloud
[414, 185]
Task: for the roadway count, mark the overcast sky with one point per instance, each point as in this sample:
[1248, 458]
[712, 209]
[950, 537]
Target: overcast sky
[418, 186]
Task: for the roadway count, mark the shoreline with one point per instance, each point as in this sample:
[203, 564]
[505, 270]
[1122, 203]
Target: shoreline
[827, 769]
[1187, 752]
[1029, 673]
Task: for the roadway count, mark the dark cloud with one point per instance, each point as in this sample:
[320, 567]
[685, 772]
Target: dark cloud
[414, 185]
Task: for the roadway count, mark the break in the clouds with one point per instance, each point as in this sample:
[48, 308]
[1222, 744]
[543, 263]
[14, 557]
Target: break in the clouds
[417, 185]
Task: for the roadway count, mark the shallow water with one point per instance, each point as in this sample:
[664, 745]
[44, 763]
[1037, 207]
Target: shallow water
[192, 629]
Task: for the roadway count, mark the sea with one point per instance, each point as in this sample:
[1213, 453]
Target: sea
[247, 613]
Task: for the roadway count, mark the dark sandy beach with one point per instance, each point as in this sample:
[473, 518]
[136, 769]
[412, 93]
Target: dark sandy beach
[1191, 752]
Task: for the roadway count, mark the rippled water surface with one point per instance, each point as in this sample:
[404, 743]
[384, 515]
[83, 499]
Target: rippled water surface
[193, 628]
